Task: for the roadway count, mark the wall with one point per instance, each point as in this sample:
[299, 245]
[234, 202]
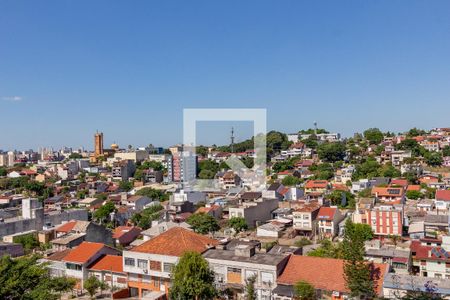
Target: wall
[21, 225]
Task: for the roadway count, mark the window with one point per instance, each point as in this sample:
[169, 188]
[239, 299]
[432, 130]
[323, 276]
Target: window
[142, 263]
[129, 261]
[73, 266]
[250, 274]
[266, 278]
[155, 265]
[156, 281]
[234, 270]
[167, 267]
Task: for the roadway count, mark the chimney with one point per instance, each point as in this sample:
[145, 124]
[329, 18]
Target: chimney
[244, 250]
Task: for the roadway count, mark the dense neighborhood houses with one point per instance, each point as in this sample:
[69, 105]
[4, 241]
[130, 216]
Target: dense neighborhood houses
[338, 218]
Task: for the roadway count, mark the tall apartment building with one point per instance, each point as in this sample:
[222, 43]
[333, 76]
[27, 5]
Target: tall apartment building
[182, 166]
[386, 219]
[3, 159]
[98, 142]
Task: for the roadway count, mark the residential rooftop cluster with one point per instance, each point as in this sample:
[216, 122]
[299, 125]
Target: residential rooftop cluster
[128, 216]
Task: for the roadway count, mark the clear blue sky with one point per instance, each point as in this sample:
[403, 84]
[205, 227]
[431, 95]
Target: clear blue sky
[128, 68]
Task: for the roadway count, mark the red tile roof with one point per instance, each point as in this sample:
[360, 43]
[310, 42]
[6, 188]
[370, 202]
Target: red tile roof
[401, 182]
[67, 227]
[121, 230]
[83, 252]
[323, 273]
[326, 213]
[206, 210]
[108, 263]
[308, 207]
[175, 242]
[387, 191]
[443, 195]
[413, 187]
[58, 256]
[318, 184]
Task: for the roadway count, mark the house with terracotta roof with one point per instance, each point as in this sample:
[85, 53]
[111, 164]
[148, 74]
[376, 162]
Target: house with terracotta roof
[78, 260]
[228, 179]
[316, 186]
[149, 265]
[391, 195]
[124, 235]
[305, 219]
[212, 210]
[328, 220]
[442, 200]
[431, 257]
[109, 269]
[72, 233]
[326, 275]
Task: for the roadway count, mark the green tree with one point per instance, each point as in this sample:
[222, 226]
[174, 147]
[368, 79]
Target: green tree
[388, 170]
[238, 224]
[125, 185]
[413, 132]
[63, 285]
[367, 169]
[153, 194]
[290, 180]
[26, 278]
[327, 249]
[250, 292]
[28, 241]
[3, 172]
[144, 218]
[433, 159]
[203, 223]
[364, 231]
[414, 195]
[303, 242]
[445, 151]
[331, 152]
[91, 285]
[413, 146]
[304, 291]
[206, 174]
[192, 278]
[75, 156]
[336, 198]
[102, 214]
[373, 135]
[357, 272]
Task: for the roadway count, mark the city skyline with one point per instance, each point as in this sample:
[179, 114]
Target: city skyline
[349, 67]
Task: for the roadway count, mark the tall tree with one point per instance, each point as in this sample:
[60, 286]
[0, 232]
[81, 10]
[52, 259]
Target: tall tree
[26, 278]
[331, 152]
[92, 284]
[250, 292]
[373, 135]
[304, 290]
[238, 224]
[356, 270]
[192, 278]
[203, 223]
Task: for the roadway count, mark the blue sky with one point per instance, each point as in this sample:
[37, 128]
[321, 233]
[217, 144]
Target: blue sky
[128, 68]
